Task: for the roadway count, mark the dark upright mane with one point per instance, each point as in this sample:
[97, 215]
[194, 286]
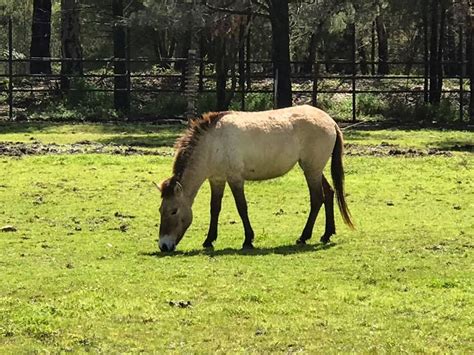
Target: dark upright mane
[186, 145]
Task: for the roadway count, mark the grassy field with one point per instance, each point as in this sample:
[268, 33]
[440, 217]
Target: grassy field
[81, 271]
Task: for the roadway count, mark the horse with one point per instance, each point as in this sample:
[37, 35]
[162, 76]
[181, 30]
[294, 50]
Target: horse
[232, 147]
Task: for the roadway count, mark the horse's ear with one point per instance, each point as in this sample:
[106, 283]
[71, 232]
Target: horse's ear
[178, 189]
[158, 186]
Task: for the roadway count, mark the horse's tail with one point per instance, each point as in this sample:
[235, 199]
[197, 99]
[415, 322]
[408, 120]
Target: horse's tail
[337, 173]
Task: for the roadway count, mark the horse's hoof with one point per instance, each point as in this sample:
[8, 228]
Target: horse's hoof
[208, 245]
[248, 246]
[325, 239]
[301, 242]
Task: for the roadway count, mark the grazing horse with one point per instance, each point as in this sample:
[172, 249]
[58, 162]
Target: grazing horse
[236, 146]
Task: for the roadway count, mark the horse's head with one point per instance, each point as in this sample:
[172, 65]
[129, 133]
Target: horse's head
[176, 214]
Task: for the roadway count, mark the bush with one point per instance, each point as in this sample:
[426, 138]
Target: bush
[257, 102]
[338, 106]
[371, 105]
[162, 105]
[78, 104]
[418, 110]
[206, 102]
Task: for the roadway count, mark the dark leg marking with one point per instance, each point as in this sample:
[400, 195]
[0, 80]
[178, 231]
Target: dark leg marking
[241, 203]
[316, 200]
[328, 193]
[217, 191]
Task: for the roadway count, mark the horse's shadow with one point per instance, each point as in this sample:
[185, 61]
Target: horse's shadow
[282, 250]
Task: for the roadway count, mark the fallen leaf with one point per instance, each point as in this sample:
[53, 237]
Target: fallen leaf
[180, 304]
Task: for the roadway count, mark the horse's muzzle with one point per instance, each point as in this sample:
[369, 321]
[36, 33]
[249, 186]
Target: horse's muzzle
[167, 243]
[165, 248]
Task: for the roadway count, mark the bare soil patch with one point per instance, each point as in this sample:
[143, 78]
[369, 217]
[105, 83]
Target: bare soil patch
[19, 149]
[385, 149]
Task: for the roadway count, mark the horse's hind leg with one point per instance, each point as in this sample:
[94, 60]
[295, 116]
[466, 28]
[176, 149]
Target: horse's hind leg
[237, 188]
[217, 191]
[314, 181]
[328, 193]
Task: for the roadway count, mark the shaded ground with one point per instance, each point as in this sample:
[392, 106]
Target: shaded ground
[18, 149]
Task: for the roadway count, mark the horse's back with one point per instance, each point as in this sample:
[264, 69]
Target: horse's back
[267, 144]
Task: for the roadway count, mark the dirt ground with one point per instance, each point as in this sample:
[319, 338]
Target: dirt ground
[19, 149]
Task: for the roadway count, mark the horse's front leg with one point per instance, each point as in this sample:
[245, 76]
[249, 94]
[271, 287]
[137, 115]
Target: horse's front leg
[217, 191]
[328, 193]
[237, 188]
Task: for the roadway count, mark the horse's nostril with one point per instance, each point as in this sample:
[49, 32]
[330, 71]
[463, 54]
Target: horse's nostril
[163, 247]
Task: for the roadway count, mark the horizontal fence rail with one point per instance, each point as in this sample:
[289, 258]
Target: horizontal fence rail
[261, 81]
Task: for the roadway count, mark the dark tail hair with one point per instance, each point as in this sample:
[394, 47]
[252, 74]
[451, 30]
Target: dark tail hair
[337, 173]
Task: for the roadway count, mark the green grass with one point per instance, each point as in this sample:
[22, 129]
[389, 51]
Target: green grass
[158, 136]
[127, 134]
[82, 272]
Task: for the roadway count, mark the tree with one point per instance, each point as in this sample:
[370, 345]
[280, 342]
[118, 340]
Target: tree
[71, 48]
[277, 11]
[279, 18]
[382, 38]
[470, 29]
[40, 37]
[438, 13]
[121, 85]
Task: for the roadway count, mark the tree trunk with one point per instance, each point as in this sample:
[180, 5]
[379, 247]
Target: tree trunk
[434, 52]
[71, 48]
[470, 26]
[441, 41]
[451, 69]
[279, 18]
[364, 68]
[311, 54]
[382, 46]
[412, 52]
[40, 37]
[426, 40]
[221, 73]
[121, 93]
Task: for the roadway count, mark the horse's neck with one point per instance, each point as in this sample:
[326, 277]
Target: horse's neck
[195, 173]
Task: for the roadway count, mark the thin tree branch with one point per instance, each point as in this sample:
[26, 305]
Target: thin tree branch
[236, 12]
[262, 6]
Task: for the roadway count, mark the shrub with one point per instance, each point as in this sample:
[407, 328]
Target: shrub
[78, 104]
[371, 104]
[257, 102]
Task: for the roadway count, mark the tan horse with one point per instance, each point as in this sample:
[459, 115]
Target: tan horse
[236, 146]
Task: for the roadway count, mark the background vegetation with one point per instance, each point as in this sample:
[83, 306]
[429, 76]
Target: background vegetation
[418, 38]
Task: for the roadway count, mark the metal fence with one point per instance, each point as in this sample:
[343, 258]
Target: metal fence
[192, 77]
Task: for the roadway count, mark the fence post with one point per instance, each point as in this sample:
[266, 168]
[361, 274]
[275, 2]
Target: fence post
[202, 72]
[461, 75]
[275, 88]
[10, 69]
[128, 69]
[354, 71]
[425, 54]
[191, 85]
[248, 58]
[314, 98]
[372, 52]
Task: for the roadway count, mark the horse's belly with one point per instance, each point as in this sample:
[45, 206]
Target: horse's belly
[268, 164]
[266, 173]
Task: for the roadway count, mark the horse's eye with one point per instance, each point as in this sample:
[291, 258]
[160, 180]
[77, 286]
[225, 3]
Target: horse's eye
[173, 212]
